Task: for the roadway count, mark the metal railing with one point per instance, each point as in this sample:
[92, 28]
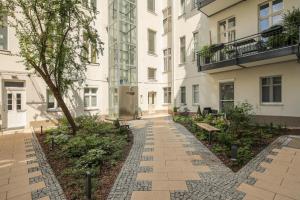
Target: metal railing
[271, 39]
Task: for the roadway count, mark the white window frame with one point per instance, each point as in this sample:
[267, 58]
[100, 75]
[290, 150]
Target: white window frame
[196, 44]
[167, 95]
[167, 21]
[167, 60]
[154, 4]
[228, 30]
[271, 86]
[55, 104]
[154, 41]
[90, 94]
[4, 28]
[182, 50]
[152, 77]
[270, 15]
[196, 101]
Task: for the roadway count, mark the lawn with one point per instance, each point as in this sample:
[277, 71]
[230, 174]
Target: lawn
[98, 147]
[237, 127]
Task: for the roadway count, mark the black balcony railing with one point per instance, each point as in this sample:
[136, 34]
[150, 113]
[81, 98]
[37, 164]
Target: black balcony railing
[274, 38]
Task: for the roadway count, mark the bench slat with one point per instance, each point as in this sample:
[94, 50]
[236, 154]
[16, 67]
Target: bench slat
[207, 127]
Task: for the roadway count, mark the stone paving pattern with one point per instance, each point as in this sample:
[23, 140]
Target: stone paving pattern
[168, 162]
[24, 171]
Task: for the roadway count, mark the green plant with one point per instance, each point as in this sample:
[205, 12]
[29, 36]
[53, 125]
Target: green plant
[244, 155]
[117, 123]
[225, 139]
[93, 158]
[175, 109]
[219, 149]
[240, 118]
[207, 53]
[291, 23]
[199, 113]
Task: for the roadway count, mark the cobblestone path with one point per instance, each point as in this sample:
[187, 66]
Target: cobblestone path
[24, 171]
[168, 162]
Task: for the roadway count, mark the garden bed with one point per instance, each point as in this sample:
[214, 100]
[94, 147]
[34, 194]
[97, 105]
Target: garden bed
[237, 128]
[98, 147]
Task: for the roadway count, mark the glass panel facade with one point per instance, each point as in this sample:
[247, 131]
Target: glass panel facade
[122, 50]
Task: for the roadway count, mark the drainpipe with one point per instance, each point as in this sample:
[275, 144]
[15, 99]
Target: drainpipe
[299, 46]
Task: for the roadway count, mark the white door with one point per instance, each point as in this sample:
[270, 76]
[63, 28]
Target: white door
[151, 102]
[14, 109]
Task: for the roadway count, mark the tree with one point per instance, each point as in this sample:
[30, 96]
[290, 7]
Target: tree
[54, 38]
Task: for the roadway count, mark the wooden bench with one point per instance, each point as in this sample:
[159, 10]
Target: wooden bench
[124, 124]
[210, 129]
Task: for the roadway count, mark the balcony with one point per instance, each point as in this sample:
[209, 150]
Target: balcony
[211, 7]
[271, 46]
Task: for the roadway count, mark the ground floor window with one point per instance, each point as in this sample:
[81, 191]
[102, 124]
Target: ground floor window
[271, 89]
[167, 95]
[226, 96]
[51, 101]
[195, 94]
[182, 95]
[90, 97]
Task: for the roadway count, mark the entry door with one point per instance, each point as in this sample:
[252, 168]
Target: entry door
[226, 96]
[14, 108]
[151, 102]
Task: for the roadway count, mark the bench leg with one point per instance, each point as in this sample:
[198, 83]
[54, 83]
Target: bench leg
[209, 138]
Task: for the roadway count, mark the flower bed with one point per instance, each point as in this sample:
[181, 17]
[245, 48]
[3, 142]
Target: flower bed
[98, 147]
[237, 128]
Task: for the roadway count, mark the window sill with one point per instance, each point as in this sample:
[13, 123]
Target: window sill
[5, 52]
[152, 12]
[152, 54]
[52, 110]
[271, 104]
[166, 72]
[182, 64]
[152, 80]
[91, 109]
[166, 104]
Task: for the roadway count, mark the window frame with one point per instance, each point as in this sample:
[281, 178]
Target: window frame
[270, 15]
[271, 90]
[183, 97]
[227, 29]
[196, 44]
[167, 59]
[154, 70]
[90, 94]
[182, 50]
[167, 20]
[154, 6]
[55, 104]
[193, 94]
[167, 95]
[4, 28]
[154, 42]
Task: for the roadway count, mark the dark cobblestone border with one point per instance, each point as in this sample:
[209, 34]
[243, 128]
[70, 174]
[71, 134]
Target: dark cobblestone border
[126, 181]
[53, 189]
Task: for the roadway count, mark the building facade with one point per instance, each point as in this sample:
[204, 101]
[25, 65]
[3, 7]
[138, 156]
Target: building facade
[151, 64]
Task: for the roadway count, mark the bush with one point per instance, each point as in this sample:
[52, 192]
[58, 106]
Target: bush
[93, 158]
[291, 23]
[244, 155]
[225, 139]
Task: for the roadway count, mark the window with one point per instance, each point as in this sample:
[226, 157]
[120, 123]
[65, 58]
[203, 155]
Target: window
[271, 89]
[182, 7]
[151, 41]
[3, 33]
[270, 14]
[227, 32]
[151, 74]
[183, 95]
[226, 96]
[167, 23]
[151, 5]
[167, 60]
[194, 4]
[89, 51]
[51, 101]
[19, 101]
[182, 50]
[90, 97]
[167, 95]
[196, 44]
[195, 94]
[9, 101]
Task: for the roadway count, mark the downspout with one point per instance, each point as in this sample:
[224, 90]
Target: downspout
[299, 46]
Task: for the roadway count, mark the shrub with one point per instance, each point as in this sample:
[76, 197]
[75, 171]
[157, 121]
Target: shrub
[76, 147]
[117, 123]
[244, 155]
[291, 23]
[225, 139]
[59, 139]
[93, 158]
[219, 149]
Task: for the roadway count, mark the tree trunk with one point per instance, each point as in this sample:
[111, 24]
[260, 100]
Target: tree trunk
[62, 105]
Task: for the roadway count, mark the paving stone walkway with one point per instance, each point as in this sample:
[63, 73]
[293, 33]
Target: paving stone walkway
[168, 162]
[24, 171]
